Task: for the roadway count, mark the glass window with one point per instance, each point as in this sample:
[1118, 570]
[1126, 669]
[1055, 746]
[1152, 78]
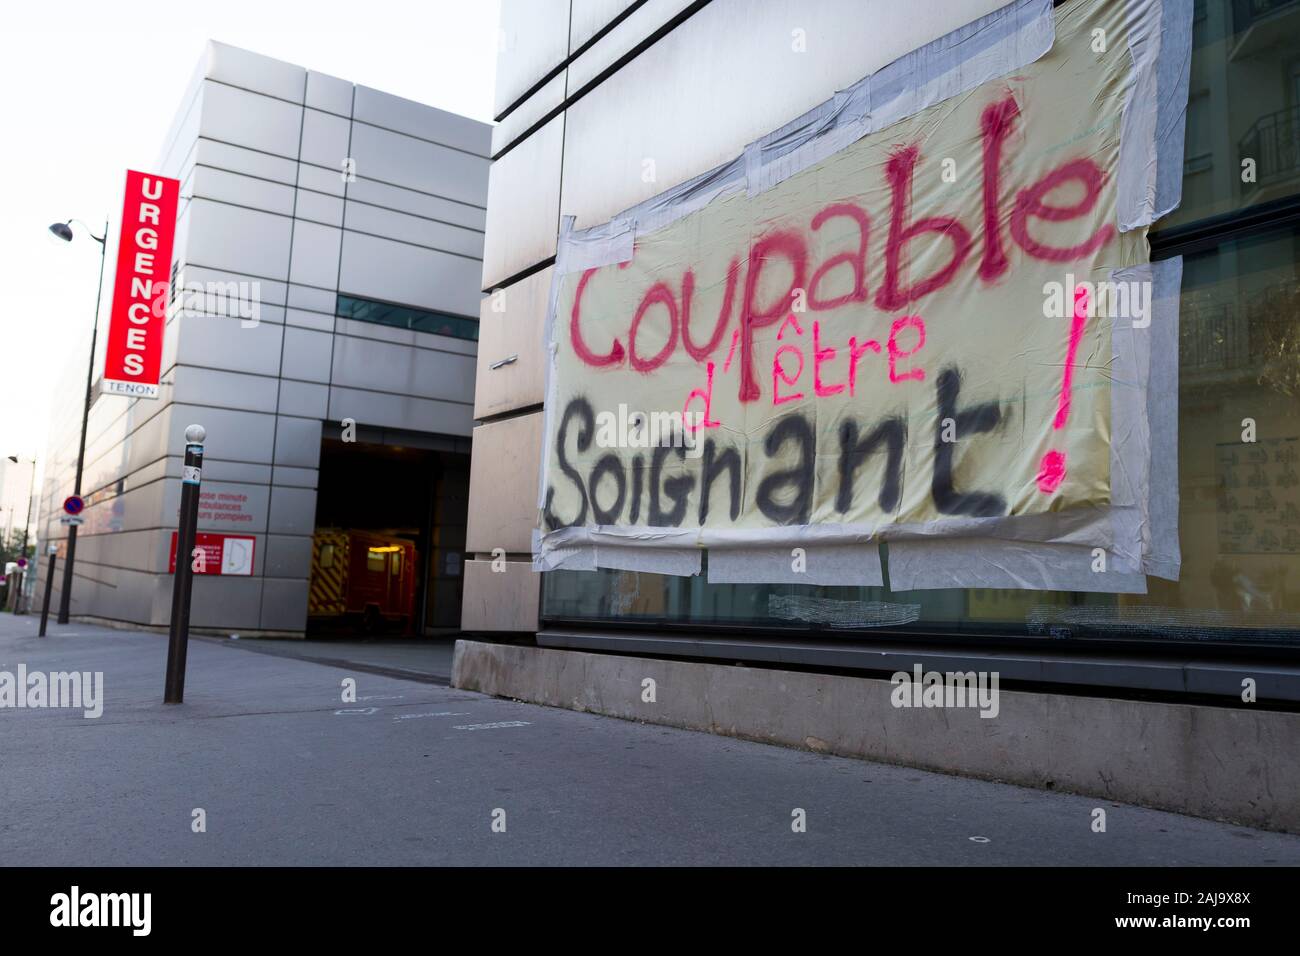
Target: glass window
[406, 317]
[375, 560]
[1239, 359]
[1240, 502]
[1243, 115]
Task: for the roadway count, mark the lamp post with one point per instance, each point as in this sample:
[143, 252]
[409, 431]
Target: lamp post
[31, 492]
[64, 231]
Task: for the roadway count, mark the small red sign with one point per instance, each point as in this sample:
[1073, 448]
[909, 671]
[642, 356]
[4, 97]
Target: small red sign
[220, 554]
[133, 356]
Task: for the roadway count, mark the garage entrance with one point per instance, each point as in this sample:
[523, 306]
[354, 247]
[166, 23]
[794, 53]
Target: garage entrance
[389, 538]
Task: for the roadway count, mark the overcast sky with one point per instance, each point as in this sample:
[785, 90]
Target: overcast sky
[90, 91]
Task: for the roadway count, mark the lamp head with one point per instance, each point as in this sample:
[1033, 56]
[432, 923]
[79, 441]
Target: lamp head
[62, 230]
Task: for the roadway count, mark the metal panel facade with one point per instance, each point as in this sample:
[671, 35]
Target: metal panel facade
[268, 212]
[726, 73]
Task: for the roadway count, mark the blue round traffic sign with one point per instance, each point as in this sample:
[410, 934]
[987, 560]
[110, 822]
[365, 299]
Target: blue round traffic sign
[74, 504]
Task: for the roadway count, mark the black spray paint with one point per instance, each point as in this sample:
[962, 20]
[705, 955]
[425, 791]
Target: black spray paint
[784, 497]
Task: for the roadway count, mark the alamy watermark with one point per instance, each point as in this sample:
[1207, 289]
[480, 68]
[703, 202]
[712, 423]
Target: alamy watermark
[949, 689]
[79, 690]
[237, 299]
[242, 299]
[633, 429]
[1126, 299]
[75, 909]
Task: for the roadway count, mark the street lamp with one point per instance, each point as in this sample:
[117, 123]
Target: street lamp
[64, 231]
[31, 493]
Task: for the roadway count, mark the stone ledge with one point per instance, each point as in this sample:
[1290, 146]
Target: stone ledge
[1231, 764]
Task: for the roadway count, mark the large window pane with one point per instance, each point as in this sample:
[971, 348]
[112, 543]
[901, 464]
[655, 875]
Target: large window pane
[1243, 107]
[1239, 363]
[1239, 500]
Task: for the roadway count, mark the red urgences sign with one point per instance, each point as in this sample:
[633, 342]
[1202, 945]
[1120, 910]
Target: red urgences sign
[133, 356]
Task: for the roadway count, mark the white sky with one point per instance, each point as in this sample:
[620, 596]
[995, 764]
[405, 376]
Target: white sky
[90, 89]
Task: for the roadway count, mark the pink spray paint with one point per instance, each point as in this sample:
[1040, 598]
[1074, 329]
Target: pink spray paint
[1051, 472]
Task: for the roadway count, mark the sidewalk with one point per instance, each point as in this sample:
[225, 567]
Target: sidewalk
[413, 773]
[424, 659]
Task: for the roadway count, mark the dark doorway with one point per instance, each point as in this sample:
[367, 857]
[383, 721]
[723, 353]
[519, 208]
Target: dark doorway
[389, 540]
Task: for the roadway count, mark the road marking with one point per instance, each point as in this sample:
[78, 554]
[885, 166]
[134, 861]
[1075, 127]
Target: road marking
[440, 713]
[356, 710]
[382, 697]
[500, 723]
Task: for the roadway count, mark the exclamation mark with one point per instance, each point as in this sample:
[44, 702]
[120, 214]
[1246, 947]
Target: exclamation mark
[1051, 472]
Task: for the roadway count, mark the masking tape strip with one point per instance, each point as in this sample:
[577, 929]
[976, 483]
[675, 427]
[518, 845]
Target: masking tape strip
[682, 562]
[846, 565]
[1150, 172]
[1163, 556]
[989, 563]
[1130, 439]
[840, 613]
[609, 243]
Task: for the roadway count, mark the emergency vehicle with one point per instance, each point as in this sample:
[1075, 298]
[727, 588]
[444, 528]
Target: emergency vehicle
[362, 578]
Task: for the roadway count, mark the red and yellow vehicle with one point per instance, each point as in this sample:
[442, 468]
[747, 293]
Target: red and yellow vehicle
[363, 578]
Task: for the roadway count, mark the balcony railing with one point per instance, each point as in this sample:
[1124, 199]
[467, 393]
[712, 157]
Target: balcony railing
[1274, 144]
[1255, 333]
[1214, 337]
[1246, 13]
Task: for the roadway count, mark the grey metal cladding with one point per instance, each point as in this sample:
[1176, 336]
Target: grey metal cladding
[276, 220]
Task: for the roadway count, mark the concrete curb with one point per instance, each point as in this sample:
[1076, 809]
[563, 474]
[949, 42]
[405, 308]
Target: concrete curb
[1229, 764]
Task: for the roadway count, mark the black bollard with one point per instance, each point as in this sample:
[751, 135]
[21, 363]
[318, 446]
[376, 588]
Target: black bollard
[179, 636]
[49, 588]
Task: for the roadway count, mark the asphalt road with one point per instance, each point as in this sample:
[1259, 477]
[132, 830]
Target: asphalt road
[414, 773]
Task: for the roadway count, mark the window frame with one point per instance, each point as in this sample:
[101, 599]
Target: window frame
[1198, 236]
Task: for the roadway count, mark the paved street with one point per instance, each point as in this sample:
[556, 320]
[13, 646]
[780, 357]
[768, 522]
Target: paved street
[425, 660]
[412, 773]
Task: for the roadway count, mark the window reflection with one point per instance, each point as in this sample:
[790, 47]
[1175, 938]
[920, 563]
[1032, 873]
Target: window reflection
[1243, 112]
[1239, 364]
[1239, 518]
[406, 317]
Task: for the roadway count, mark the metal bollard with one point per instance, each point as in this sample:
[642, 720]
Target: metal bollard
[49, 588]
[179, 635]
